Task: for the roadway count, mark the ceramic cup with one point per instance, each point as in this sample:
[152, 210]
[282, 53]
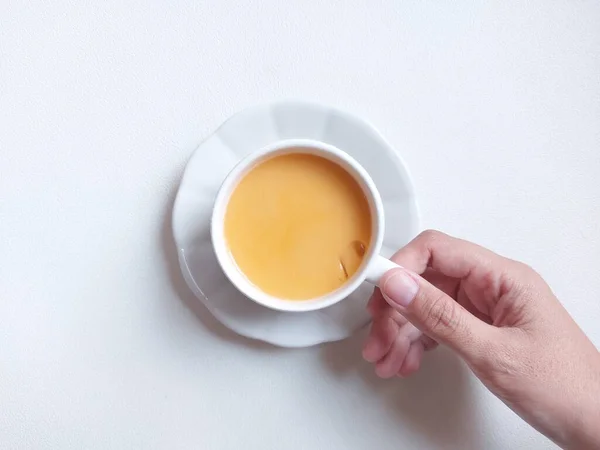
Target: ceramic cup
[373, 266]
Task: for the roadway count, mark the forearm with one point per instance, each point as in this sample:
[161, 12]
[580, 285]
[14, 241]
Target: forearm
[585, 430]
[577, 422]
[562, 404]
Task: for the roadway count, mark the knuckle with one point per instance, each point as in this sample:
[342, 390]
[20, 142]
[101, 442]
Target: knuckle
[524, 273]
[524, 278]
[441, 315]
[523, 268]
[429, 235]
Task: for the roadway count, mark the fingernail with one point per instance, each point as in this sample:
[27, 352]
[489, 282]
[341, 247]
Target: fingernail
[400, 289]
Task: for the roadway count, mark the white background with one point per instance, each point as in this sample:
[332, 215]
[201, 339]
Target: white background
[494, 105]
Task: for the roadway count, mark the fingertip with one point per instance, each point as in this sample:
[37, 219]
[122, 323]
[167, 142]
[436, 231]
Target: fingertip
[399, 287]
[376, 303]
[369, 351]
[387, 275]
[412, 362]
[382, 372]
[371, 306]
[380, 339]
[390, 364]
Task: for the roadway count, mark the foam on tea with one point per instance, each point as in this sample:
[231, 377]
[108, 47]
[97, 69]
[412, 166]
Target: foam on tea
[298, 226]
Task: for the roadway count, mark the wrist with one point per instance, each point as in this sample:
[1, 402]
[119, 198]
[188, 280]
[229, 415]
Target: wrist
[565, 409]
[584, 415]
[585, 432]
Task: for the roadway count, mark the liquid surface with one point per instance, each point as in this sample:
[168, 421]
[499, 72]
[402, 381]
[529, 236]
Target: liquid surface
[297, 226]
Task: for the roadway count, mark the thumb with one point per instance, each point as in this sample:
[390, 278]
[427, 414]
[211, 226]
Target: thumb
[434, 312]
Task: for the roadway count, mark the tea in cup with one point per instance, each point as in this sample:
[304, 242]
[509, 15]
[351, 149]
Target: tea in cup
[298, 226]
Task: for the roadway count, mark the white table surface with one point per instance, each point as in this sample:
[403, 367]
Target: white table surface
[494, 105]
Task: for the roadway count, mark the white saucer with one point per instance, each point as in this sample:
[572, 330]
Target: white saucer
[252, 129]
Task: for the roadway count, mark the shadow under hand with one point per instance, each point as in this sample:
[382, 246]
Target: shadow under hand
[184, 293]
[437, 402]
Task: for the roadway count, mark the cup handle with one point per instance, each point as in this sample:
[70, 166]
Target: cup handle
[378, 267]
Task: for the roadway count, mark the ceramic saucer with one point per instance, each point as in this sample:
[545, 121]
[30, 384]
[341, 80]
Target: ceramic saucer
[250, 130]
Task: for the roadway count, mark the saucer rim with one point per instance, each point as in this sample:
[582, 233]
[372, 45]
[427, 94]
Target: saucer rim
[356, 120]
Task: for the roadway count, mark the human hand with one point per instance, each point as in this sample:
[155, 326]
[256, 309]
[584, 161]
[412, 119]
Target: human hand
[500, 317]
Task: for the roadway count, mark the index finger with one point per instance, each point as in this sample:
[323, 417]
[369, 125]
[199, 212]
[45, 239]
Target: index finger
[448, 255]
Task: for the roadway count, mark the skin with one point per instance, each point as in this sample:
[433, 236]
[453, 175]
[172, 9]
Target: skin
[502, 318]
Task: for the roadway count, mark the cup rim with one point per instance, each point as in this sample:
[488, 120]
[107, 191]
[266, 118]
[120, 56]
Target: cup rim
[226, 260]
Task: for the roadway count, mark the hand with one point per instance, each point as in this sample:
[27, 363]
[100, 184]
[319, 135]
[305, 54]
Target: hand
[500, 317]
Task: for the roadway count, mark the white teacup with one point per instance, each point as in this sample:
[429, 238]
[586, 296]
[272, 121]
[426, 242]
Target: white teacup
[373, 266]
